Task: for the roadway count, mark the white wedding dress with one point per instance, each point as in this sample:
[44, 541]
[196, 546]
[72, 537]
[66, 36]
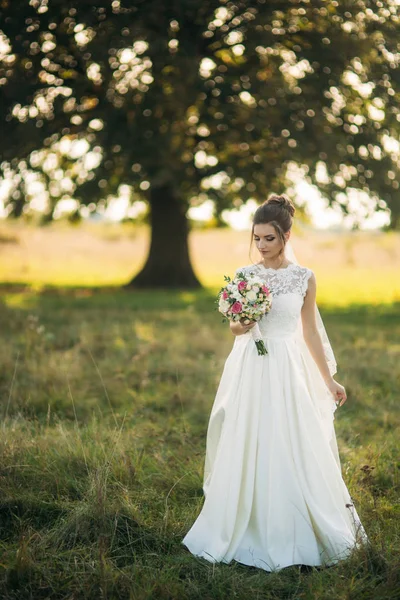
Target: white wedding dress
[274, 493]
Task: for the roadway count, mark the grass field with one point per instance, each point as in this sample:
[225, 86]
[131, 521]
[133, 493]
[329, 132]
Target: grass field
[354, 267]
[105, 402]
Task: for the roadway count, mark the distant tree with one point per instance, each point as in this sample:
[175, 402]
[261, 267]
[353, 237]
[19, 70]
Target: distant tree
[189, 98]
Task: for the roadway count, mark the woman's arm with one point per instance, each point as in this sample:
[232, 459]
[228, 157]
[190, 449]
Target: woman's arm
[314, 343]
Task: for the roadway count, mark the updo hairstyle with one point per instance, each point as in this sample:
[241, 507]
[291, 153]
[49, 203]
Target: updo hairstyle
[278, 211]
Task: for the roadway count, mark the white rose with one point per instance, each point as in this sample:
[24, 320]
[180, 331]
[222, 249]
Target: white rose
[251, 295]
[224, 305]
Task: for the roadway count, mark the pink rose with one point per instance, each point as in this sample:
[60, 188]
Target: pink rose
[236, 308]
[242, 285]
[265, 289]
[224, 294]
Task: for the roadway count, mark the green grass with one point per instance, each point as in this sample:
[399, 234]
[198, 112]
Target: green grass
[105, 403]
[350, 267]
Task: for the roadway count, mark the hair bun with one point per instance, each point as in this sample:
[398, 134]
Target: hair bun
[283, 201]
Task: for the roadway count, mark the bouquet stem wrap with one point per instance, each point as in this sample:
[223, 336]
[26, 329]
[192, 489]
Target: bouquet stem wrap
[257, 337]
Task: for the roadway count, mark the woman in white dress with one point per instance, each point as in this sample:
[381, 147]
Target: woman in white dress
[274, 492]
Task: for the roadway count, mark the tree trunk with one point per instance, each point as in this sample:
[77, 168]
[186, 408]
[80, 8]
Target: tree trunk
[168, 263]
[394, 224]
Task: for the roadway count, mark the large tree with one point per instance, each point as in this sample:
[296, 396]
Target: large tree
[189, 98]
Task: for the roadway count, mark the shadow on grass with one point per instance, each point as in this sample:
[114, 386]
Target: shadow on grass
[159, 298]
[17, 513]
[383, 313]
[109, 295]
[78, 524]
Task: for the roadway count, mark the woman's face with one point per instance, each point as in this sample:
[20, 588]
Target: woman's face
[267, 240]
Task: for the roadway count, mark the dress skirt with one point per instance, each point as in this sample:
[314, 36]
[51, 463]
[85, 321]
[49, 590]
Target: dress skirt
[274, 492]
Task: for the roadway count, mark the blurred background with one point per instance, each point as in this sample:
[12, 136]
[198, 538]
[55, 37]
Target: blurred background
[156, 130]
[138, 137]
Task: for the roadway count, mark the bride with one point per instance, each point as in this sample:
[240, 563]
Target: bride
[274, 492]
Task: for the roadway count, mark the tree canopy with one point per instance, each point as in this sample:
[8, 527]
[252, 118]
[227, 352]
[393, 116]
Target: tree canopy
[190, 99]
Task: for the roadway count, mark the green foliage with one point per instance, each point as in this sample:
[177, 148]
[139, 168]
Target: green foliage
[103, 440]
[168, 95]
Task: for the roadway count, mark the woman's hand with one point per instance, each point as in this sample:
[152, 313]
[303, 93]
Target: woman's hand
[337, 391]
[240, 327]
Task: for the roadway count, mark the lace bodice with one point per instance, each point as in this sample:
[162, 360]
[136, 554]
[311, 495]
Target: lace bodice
[288, 287]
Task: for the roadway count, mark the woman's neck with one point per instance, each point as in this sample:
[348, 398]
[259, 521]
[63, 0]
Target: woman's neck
[275, 263]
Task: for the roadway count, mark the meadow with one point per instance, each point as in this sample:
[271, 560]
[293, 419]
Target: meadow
[105, 398]
[351, 267]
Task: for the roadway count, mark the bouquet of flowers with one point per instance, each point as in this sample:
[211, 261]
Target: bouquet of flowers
[246, 298]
